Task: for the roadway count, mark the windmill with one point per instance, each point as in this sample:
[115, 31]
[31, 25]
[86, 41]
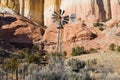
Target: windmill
[61, 20]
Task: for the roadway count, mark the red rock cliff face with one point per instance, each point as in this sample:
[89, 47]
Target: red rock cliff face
[19, 30]
[75, 34]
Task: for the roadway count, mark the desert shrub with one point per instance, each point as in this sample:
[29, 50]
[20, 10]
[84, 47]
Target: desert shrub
[35, 48]
[97, 24]
[79, 19]
[118, 48]
[101, 28]
[77, 70]
[93, 36]
[112, 47]
[76, 65]
[76, 76]
[32, 58]
[33, 55]
[92, 50]
[94, 61]
[65, 53]
[91, 62]
[1, 60]
[25, 51]
[78, 51]
[21, 55]
[57, 54]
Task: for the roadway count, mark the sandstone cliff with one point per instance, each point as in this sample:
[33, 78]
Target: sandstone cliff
[89, 10]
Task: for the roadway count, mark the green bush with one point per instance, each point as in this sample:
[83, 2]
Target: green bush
[61, 55]
[101, 28]
[79, 19]
[1, 60]
[33, 55]
[76, 65]
[97, 24]
[65, 53]
[118, 48]
[31, 58]
[112, 47]
[58, 55]
[92, 50]
[78, 51]
[21, 55]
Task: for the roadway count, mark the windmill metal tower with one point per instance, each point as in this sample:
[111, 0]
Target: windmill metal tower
[61, 20]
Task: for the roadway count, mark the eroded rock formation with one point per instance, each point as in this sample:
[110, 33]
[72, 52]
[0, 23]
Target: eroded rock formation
[19, 30]
[72, 34]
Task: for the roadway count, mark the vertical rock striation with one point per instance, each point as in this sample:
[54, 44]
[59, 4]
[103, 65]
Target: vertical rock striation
[89, 10]
[49, 7]
[115, 6]
[13, 4]
[37, 11]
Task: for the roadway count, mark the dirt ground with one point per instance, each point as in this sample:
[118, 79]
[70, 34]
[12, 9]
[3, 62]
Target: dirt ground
[106, 59]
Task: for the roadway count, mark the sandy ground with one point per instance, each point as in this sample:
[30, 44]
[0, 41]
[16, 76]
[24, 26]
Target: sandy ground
[106, 59]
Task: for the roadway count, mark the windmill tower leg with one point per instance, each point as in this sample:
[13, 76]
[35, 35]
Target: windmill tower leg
[61, 49]
[60, 43]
